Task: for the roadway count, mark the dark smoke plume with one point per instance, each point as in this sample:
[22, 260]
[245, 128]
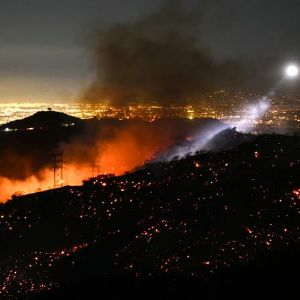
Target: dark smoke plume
[156, 59]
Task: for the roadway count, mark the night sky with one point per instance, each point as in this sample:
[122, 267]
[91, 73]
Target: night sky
[44, 52]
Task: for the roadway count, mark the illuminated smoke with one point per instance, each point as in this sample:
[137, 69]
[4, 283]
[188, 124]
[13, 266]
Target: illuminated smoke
[73, 175]
[131, 147]
[197, 143]
[31, 184]
[254, 113]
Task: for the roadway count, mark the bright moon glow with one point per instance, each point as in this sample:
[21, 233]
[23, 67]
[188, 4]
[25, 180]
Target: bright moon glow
[292, 71]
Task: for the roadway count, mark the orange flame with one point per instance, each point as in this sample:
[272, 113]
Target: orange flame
[129, 149]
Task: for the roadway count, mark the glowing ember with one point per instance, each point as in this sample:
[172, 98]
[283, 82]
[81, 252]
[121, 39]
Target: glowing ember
[296, 192]
[197, 164]
[248, 230]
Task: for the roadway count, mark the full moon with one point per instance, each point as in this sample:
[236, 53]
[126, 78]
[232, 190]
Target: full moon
[292, 71]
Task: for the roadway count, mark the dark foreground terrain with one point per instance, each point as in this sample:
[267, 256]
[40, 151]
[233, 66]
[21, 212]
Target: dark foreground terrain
[221, 225]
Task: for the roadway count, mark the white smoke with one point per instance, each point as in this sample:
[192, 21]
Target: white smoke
[254, 113]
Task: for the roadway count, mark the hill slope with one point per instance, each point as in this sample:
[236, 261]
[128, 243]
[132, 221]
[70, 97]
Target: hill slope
[205, 220]
[41, 119]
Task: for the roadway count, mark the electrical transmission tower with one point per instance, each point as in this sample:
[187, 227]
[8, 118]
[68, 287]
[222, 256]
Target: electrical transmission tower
[58, 169]
[95, 168]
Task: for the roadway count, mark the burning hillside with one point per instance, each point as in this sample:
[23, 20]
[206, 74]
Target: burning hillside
[29, 158]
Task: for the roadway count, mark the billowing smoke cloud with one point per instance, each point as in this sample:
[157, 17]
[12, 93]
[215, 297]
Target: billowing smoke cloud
[158, 58]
